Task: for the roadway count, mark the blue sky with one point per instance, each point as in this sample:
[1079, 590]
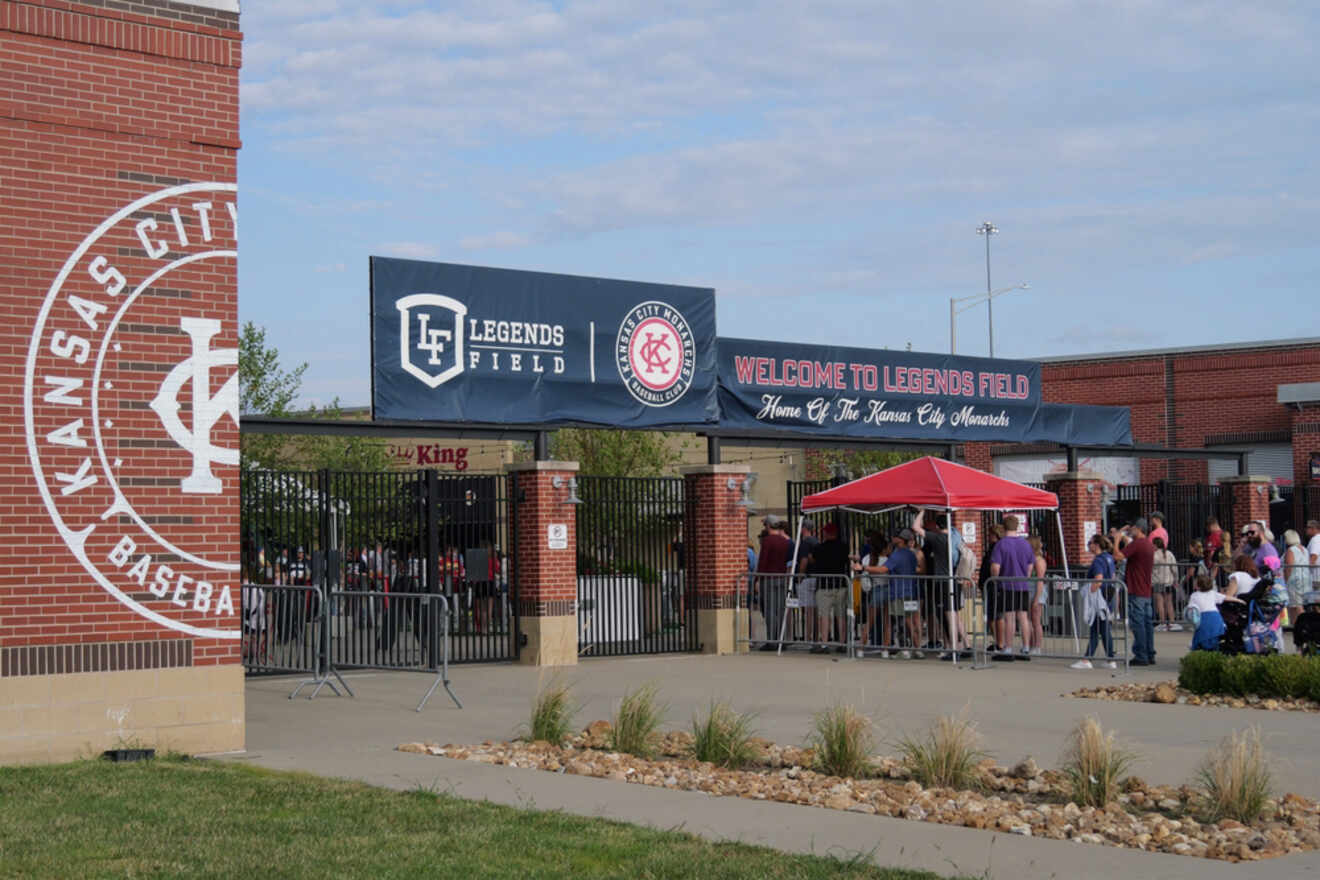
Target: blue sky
[823, 166]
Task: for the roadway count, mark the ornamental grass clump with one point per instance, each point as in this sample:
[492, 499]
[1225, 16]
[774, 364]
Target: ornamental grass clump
[843, 741]
[1236, 778]
[946, 755]
[553, 711]
[724, 737]
[1093, 764]
[636, 727]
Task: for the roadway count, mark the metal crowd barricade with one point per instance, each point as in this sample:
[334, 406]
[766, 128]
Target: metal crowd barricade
[910, 616]
[300, 629]
[404, 632]
[1054, 611]
[781, 611]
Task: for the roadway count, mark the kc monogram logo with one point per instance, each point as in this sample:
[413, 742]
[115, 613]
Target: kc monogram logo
[206, 409]
[655, 353]
[125, 395]
[442, 345]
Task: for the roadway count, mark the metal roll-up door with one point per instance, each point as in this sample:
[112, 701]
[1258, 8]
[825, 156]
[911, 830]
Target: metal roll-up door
[1268, 459]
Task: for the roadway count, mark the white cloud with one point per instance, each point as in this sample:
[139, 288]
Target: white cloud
[410, 250]
[494, 240]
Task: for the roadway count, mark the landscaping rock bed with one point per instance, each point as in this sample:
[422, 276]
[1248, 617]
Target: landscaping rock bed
[1023, 799]
[1169, 692]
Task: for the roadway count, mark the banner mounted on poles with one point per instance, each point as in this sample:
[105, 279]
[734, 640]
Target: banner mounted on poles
[456, 343]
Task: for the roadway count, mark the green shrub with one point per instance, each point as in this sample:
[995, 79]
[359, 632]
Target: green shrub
[724, 737]
[637, 723]
[1201, 672]
[1236, 778]
[1313, 678]
[1093, 764]
[1285, 675]
[946, 756]
[552, 714]
[843, 742]
[1242, 675]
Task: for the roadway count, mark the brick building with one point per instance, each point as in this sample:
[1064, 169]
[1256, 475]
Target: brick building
[118, 241]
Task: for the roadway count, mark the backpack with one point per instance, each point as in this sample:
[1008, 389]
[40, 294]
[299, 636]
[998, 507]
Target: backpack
[966, 568]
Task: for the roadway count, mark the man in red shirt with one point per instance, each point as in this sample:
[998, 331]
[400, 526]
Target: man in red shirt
[1140, 555]
[770, 583]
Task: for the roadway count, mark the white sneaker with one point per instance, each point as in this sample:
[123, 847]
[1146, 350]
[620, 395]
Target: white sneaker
[919, 655]
[906, 655]
[1036, 651]
[1111, 665]
[1083, 664]
[1161, 627]
[1175, 627]
[884, 655]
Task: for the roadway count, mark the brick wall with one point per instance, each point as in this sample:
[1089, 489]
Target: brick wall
[717, 556]
[1190, 399]
[102, 105]
[547, 579]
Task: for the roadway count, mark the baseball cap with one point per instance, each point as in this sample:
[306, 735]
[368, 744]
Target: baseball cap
[1140, 523]
[771, 520]
[907, 535]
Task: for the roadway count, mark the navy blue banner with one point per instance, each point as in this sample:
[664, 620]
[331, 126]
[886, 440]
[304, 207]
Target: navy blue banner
[830, 391]
[458, 343]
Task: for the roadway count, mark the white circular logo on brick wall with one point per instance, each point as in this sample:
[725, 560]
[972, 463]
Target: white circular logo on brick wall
[130, 403]
[655, 353]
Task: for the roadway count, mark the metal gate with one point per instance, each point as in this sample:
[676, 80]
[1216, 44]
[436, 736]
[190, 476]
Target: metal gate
[1186, 508]
[633, 590]
[377, 533]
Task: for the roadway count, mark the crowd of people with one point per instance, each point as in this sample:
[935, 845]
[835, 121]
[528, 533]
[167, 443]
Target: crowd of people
[913, 584]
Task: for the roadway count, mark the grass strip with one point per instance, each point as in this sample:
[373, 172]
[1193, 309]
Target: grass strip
[176, 817]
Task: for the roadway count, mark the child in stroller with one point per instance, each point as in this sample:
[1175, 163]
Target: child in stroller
[1306, 628]
[1252, 624]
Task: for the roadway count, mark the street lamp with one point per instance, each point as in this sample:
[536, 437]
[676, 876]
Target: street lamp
[970, 302]
[988, 229]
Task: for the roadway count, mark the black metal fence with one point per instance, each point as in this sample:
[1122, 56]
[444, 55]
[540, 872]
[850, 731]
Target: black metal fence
[634, 595]
[854, 528]
[367, 535]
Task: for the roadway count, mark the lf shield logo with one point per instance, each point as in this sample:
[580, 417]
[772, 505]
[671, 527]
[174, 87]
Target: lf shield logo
[655, 353]
[431, 337]
[125, 395]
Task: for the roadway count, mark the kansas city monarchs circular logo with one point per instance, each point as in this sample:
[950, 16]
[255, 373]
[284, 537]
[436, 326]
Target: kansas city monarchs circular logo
[130, 403]
[655, 353]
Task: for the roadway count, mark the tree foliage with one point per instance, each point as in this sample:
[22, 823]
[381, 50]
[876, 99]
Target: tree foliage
[613, 452]
[858, 462]
[266, 388]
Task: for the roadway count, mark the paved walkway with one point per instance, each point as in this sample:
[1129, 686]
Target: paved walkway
[1018, 707]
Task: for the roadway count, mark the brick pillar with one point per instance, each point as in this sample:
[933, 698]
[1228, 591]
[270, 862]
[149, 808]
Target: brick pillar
[546, 577]
[1081, 503]
[715, 540]
[1251, 501]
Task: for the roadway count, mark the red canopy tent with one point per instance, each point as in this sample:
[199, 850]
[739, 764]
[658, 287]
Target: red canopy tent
[937, 484]
[931, 482]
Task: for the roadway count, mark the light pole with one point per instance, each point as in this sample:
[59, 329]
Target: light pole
[969, 302]
[988, 229]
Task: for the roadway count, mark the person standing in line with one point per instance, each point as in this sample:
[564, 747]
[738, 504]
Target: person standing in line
[1296, 573]
[806, 584]
[833, 570]
[1041, 595]
[902, 564]
[989, 590]
[874, 557]
[1095, 602]
[770, 583]
[1139, 554]
[1013, 558]
[1157, 529]
[1313, 550]
[1163, 581]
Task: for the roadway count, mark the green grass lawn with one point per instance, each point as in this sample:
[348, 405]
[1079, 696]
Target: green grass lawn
[176, 817]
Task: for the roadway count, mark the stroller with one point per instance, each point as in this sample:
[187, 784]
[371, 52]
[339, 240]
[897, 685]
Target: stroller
[1252, 625]
[1306, 628]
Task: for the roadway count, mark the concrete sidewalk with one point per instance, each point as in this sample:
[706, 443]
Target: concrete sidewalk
[1018, 707]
